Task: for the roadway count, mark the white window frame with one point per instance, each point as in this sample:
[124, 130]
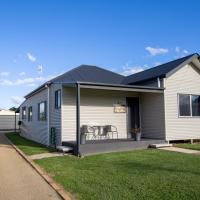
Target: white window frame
[45, 111]
[30, 114]
[57, 101]
[24, 113]
[189, 116]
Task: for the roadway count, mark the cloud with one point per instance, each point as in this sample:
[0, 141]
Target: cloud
[40, 69]
[31, 81]
[177, 49]
[157, 63]
[22, 73]
[4, 73]
[156, 51]
[180, 52]
[17, 100]
[31, 57]
[128, 70]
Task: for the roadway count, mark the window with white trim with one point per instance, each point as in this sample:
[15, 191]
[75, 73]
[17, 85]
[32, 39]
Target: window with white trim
[42, 111]
[195, 105]
[24, 113]
[30, 113]
[189, 105]
[58, 99]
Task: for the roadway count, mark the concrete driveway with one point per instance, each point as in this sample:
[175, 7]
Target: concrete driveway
[18, 180]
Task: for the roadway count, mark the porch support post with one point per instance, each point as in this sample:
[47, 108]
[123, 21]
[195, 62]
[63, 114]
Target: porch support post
[77, 119]
[15, 122]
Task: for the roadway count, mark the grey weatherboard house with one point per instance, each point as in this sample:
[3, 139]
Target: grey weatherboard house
[162, 104]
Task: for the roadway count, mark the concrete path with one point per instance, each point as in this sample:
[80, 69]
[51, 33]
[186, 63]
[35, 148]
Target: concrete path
[181, 150]
[18, 180]
[45, 155]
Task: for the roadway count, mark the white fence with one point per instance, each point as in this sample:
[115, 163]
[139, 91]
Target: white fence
[7, 122]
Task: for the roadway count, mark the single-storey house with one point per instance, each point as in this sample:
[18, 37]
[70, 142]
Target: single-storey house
[94, 110]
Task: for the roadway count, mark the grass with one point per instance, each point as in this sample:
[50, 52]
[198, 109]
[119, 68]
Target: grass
[27, 146]
[195, 146]
[142, 174]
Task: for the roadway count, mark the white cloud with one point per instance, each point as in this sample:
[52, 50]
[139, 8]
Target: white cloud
[4, 73]
[177, 49]
[127, 70]
[181, 52]
[157, 63]
[17, 100]
[156, 51]
[32, 85]
[31, 57]
[40, 69]
[31, 81]
[22, 73]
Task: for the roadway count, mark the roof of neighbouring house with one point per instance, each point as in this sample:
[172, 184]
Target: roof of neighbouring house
[158, 71]
[6, 112]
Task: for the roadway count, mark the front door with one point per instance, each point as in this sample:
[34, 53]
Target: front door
[133, 114]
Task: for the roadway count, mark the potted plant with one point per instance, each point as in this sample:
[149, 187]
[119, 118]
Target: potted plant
[136, 134]
[83, 138]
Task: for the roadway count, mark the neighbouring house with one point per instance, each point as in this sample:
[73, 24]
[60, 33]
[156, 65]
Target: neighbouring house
[8, 120]
[94, 110]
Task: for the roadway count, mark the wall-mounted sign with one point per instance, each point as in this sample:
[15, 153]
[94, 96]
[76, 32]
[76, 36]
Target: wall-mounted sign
[119, 108]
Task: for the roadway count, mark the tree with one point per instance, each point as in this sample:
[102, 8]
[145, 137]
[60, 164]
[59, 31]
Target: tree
[13, 109]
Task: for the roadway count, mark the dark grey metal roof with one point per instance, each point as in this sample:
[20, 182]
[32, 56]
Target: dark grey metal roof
[88, 73]
[158, 71]
[93, 74]
[84, 73]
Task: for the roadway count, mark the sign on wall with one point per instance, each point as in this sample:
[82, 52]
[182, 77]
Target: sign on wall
[119, 108]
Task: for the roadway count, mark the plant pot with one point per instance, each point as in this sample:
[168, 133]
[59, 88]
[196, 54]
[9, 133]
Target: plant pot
[138, 136]
[131, 135]
[83, 139]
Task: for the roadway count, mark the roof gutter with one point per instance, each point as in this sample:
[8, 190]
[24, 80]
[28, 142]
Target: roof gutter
[37, 90]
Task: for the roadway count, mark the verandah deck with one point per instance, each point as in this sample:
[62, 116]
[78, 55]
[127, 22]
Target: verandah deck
[112, 145]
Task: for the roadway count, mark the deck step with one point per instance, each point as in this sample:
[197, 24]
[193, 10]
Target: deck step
[64, 148]
[160, 145]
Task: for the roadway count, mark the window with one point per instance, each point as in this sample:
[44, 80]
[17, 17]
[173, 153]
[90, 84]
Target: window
[189, 105]
[58, 99]
[30, 113]
[23, 113]
[184, 105]
[42, 111]
[195, 105]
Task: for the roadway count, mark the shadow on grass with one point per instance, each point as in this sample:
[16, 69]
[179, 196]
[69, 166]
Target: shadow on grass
[27, 146]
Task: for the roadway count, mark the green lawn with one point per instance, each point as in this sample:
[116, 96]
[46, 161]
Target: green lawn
[142, 174]
[27, 146]
[189, 146]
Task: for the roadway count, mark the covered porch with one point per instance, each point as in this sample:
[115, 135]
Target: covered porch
[108, 117]
[112, 145]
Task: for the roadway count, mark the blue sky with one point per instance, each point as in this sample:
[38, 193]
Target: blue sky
[41, 39]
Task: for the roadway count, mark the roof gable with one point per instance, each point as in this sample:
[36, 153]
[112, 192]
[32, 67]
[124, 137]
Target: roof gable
[158, 71]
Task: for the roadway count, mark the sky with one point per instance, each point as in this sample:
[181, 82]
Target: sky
[42, 39]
